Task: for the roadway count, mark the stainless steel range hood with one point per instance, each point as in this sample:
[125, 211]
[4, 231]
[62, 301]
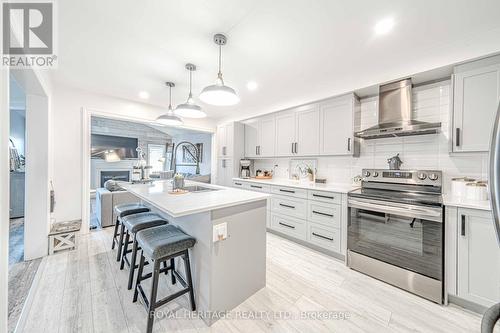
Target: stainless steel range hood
[395, 114]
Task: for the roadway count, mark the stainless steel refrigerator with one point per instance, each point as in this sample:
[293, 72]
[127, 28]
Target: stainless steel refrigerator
[492, 315]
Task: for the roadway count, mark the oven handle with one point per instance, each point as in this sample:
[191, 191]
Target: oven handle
[401, 209]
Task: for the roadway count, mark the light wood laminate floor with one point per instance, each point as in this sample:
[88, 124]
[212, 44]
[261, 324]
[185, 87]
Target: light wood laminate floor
[84, 291]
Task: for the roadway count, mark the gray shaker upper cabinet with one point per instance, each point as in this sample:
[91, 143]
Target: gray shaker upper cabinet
[297, 131]
[337, 126]
[260, 134]
[476, 93]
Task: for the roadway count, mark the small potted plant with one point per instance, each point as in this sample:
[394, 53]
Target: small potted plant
[310, 173]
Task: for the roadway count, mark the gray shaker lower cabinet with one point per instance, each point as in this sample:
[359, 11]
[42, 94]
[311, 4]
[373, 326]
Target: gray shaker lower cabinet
[289, 225]
[311, 217]
[325, 237]
[478, 258]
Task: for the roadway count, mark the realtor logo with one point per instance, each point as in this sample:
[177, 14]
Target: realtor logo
[28, 34]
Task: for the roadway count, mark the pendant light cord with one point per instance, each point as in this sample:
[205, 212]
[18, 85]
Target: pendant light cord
[219, 75]
[169, 98]
[220, 59]
[190, 84]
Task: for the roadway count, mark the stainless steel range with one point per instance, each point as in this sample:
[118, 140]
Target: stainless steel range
[396, 230]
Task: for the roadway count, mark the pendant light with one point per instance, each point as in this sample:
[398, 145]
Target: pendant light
[169, 118]
[190, 109]
[219, 94]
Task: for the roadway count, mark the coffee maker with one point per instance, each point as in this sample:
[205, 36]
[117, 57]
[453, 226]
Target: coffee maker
[245, 169]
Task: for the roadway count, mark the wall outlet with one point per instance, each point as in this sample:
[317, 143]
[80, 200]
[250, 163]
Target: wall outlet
[219, 232]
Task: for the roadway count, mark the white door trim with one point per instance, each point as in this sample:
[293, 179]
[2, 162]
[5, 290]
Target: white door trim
[4, 195]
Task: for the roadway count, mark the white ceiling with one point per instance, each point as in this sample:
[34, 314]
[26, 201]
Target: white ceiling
[297, 51]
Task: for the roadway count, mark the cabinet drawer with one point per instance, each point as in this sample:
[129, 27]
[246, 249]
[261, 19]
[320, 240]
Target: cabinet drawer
[327, 238]
[331, 197]
[252, 186]
[289, 225]
[259, 187]
[240, 184]
[326, 214]
[290, 191]
[289, 206]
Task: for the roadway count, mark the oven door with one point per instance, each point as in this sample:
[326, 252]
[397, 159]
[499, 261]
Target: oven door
[403, 235]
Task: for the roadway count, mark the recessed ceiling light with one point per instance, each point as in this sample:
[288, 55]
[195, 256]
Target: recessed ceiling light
[252, 85]
[384, 26]
[144, 95]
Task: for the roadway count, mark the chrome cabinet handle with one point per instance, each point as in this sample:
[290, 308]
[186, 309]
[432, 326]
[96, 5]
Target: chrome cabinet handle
[238, 184]
[224, 150]
[457, 136]
[462, 231]
[255, 186]
[321, 213]
[286, 225]
[287, 206]
[296, 148]
[286, 191]
[348, 144]
[293, 151]
[321, 236]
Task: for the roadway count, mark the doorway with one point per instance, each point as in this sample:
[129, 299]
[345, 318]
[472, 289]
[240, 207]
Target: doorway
[28, 179]
[114, 145]
[17, 162]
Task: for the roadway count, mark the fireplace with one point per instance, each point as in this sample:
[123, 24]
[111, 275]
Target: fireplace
[114, 175]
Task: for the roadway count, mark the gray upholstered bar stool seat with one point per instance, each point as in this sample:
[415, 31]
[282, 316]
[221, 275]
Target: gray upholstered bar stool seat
[161, 244]
[121, 211]
[131, 225]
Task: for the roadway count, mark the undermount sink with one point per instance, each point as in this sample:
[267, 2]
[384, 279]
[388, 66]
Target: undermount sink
[196, 188]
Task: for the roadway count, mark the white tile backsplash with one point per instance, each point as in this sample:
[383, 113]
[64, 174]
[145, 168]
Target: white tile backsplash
[431, 103]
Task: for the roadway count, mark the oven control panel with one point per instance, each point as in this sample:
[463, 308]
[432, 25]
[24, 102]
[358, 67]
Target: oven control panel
[414, 177]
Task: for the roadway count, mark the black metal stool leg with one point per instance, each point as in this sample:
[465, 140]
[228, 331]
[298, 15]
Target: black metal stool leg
[120, 243]
[189, 280]
[115, 233]
[132, 264]
[172, 266]
[125, 249]
[152, 299]
[139, 277]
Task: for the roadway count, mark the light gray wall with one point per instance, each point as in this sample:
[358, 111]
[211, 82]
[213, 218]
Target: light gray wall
[145, 134]
[206, 139]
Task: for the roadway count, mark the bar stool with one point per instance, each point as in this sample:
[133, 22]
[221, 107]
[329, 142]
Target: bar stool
[123, 210]
[160, 244]
[132, 224]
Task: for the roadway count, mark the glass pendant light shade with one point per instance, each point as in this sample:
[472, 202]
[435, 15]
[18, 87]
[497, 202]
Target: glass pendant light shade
[190, 109]
[219, 94]
[169, 118]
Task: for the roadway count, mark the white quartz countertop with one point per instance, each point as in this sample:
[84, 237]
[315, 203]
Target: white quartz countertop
[330, 187]
[176, 205]
[449, 200]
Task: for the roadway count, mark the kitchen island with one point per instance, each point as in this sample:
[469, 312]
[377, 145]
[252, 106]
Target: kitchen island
[226, 270]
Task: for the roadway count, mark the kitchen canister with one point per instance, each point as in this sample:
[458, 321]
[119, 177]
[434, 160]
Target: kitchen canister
[458, 188]
[476, 191]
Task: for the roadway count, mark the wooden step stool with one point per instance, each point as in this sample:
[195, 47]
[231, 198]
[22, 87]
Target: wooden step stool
[63, 236]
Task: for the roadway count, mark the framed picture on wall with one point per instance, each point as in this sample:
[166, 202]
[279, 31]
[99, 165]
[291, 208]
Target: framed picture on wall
[189, 154]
